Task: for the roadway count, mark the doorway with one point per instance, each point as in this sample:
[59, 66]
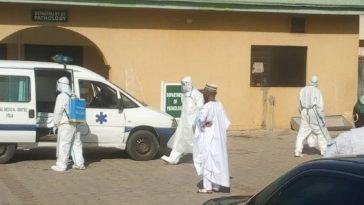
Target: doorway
[43, 42]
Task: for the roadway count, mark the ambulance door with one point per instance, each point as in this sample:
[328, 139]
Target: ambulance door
[17, 105]
[103, 113]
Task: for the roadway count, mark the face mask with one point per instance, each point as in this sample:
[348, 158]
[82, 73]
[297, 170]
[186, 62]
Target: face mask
[186, 86]
[62, 87]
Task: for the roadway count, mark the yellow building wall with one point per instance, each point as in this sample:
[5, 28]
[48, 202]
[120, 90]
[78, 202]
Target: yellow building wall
[145, 47]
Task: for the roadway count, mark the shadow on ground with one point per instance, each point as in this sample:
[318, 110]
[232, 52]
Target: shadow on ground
[310, 151]
[91, 155]
[187, 159]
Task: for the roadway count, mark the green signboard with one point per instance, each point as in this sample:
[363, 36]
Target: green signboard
[49, 15]
[173, 99]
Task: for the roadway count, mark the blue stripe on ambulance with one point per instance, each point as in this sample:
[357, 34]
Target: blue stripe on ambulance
[17, 127]
[161, 131]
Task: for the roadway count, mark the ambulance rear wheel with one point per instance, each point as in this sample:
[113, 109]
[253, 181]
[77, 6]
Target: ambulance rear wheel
[7, 152]
[142, 145]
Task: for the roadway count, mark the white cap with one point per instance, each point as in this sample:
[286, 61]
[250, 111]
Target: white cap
[211, 87]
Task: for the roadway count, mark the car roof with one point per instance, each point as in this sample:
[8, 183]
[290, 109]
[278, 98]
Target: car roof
[347, 164]
[359, 159]
[352, 160]
[18, 64]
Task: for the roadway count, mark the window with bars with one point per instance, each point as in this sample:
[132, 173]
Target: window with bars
[278, 66]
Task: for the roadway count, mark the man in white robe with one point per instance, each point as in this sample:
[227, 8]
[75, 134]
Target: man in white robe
[210, 155]
[347, 143]
[182, 140]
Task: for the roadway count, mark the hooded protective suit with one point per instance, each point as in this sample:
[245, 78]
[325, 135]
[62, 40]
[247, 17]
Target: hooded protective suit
[68, 137]
[182, 140]
[313, 124]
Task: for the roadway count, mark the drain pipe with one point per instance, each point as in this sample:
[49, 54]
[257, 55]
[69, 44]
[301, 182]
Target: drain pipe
[272, 103]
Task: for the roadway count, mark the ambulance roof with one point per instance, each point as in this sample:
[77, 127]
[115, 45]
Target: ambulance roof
[16, 64]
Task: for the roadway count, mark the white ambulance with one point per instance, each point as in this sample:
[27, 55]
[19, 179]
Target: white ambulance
[114, 118]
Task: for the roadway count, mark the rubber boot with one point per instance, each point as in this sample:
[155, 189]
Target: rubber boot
[173, 158]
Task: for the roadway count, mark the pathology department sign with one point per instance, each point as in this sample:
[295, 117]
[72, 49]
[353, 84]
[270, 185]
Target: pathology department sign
[49, 15]
[171, 99]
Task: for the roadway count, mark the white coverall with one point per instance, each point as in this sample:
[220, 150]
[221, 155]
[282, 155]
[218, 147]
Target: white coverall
[312, 119]
[68, 136]
[182, 140]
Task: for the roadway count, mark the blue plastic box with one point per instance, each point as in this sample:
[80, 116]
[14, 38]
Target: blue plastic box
[77, 110]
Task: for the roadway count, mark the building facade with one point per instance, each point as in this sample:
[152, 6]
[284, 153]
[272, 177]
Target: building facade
[259, 55]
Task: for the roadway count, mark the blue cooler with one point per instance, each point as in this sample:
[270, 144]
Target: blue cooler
[77, 110]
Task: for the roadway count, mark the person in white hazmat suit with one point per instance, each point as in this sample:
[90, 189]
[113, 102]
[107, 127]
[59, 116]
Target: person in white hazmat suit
[347, 143]
[210, 155]
[182, 140]
[313, 125]
[68, 138]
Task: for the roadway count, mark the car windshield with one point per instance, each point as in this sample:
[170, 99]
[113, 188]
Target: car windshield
[129, 95]
[264, 194]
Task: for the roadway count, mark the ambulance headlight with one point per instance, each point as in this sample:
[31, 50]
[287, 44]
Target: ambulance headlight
[174, 123]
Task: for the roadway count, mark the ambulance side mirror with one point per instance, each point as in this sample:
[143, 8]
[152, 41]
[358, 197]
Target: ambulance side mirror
[120, 105]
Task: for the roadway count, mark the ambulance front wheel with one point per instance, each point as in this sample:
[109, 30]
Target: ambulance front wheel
[7, 151]
[142, 145]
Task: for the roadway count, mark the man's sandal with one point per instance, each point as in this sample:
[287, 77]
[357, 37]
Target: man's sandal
[204, 191]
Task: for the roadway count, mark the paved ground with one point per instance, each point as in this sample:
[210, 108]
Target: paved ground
[256, 158]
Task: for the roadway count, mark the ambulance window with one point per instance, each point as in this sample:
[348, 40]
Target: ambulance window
[128, 103]
[98, 95]
[14, 89]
